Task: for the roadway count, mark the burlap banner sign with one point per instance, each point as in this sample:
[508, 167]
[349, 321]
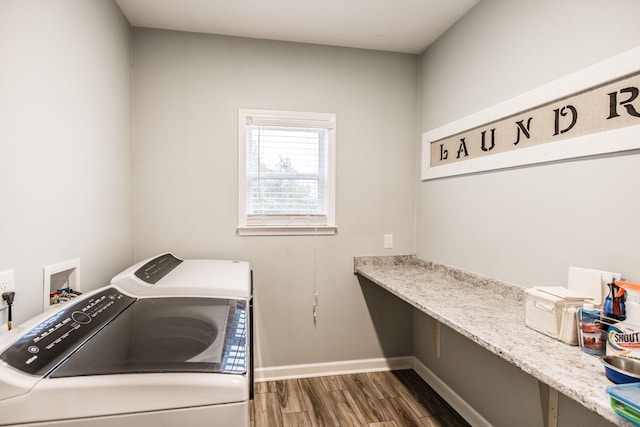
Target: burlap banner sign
[585, 122]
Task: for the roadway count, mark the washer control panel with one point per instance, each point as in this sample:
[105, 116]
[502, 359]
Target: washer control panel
[46, 345]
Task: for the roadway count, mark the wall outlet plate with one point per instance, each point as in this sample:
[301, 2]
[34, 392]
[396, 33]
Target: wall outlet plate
[7, 281]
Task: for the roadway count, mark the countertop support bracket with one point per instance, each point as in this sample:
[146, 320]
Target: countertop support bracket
[435, 335]
[548, 404]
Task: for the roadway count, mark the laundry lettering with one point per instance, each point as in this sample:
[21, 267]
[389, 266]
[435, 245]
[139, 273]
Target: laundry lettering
[568, 110]
[606, 107]
[627, 103]
[524, 130]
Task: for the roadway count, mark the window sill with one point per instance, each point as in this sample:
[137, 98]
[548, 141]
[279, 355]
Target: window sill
[263, 230]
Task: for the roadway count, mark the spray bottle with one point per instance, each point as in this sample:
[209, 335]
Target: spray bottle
[623, 338]
[632, 303]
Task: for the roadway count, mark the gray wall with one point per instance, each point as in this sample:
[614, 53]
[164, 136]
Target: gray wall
[187, 91]
[65, 145]
[525, 225]
[528, 225]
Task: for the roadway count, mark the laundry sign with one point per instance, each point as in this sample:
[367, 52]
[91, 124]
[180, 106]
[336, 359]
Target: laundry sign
[589, 120]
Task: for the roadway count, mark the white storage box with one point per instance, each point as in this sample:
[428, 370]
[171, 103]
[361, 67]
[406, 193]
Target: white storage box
[552, 311]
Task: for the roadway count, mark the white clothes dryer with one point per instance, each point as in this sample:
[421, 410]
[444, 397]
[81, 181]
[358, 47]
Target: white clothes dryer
[167, 343]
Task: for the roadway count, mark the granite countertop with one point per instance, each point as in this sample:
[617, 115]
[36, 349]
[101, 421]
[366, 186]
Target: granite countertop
[480, 309]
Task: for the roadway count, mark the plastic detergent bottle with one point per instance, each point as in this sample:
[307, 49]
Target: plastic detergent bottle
[632, 303]
[592, 338]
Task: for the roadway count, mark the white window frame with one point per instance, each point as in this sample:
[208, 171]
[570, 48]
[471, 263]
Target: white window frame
[286, 118]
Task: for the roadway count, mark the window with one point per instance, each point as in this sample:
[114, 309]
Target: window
[286, 173]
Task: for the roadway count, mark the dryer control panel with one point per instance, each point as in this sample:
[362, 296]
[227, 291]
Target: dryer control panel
[157, 268]
[46, 345]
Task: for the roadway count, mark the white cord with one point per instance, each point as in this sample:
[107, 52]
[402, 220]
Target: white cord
[315, 286]
[315, 305]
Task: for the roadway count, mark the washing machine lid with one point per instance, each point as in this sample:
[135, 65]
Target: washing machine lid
[111, 332]
[160, 335]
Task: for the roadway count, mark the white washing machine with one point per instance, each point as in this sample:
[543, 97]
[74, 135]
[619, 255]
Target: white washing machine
[167, 343]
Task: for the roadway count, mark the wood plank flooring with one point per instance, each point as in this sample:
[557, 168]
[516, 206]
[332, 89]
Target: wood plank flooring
[373, 399]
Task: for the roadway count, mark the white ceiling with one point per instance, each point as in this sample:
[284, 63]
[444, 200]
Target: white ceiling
[392, 25]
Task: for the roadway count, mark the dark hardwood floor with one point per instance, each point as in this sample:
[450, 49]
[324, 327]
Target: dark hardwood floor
[373, 399]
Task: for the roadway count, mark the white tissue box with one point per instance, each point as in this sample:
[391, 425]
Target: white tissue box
[552, 311]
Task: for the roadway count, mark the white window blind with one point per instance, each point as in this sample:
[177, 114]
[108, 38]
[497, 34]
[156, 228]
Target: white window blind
[287, 172]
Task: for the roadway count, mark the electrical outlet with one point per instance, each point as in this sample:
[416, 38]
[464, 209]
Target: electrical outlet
[388, 241]
[7, 281]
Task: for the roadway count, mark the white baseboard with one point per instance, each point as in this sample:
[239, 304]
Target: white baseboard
[456, 402]
[332, 368]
